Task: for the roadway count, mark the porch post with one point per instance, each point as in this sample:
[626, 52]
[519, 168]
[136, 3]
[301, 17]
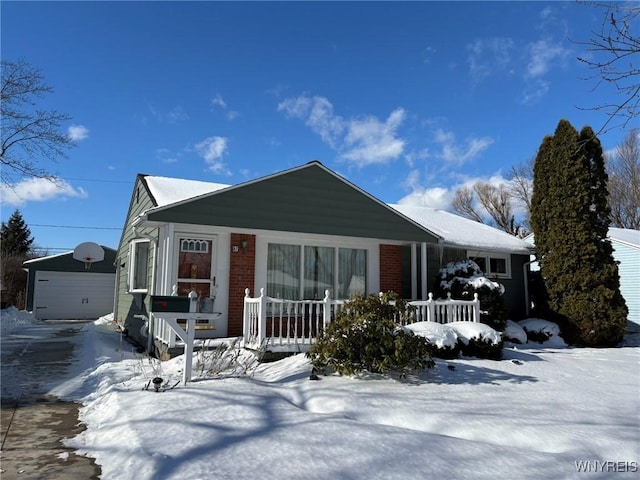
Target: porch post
[326, 314]
[423, 270]
[414, 271]
[262, 317]
[191, 327]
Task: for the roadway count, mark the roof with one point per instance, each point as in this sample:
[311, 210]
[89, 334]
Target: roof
[173, 195]
[459, 231]
[166, 190]
[625, 235]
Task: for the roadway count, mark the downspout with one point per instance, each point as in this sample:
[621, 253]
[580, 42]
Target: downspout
[525, 271]
[414, 272]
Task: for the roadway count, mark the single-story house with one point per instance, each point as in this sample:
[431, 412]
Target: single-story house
[295, 234]
[626, 250]
[60, 287]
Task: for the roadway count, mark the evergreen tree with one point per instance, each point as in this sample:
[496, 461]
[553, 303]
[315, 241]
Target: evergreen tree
[15, 236]
[570, 220]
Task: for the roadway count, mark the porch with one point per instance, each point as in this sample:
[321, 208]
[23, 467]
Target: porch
[279, 325]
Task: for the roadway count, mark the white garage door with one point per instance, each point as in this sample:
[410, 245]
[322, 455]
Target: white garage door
[72, 295]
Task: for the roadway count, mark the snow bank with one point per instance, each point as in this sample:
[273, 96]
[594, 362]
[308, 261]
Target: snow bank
[11, 319]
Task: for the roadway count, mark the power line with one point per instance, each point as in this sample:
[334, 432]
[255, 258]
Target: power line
[73, 226]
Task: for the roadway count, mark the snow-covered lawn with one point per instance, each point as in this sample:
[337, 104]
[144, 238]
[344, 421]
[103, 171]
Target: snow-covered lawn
[539, 413]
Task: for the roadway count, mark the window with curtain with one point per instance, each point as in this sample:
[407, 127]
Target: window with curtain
[352, 272]
[283, 271]
[318, 272]
[295, 272]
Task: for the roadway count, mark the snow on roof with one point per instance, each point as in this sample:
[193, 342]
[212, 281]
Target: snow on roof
[171, 190]
[625, 235]
[453, 229]
[460, 231]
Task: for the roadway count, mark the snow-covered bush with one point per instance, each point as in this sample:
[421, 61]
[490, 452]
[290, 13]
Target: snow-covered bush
[443, 340]
[464, 278]
[513, 332]
[365, 336]
[478, 340]
[542, 331]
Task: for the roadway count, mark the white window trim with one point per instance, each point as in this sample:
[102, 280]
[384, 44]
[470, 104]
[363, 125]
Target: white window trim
[471, 254]
[132, 263]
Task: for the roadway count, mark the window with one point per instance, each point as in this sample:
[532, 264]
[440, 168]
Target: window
[492, 264]
[138, 266]
[297, 272]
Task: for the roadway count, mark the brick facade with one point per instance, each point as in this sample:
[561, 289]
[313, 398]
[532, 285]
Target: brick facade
[391, 268]
[241, 275]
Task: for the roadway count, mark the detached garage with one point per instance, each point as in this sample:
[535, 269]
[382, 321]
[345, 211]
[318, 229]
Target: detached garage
[60, 287]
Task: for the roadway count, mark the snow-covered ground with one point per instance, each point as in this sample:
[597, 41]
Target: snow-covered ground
[541, 412]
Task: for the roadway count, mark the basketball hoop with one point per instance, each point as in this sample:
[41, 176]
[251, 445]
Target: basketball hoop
[88, 253]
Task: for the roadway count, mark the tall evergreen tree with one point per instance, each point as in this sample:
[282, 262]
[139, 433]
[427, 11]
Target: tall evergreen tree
[15, 236]
[570, 220]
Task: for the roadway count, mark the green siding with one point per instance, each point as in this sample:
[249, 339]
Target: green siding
[128, 304]
[308, 200]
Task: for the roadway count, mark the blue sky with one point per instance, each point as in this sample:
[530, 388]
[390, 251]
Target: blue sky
[406, 100]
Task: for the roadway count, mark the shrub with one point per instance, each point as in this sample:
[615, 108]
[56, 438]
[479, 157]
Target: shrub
[480, 347]
[366, 336]
[464, 278]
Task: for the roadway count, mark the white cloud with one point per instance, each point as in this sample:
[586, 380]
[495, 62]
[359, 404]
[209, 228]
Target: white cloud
[371, 141]
[488, 56]
[458, 154]
[218, 101]
[213, 149]
[361, 141]
[177, 115]
[441, 196]
[167, 156]
[78, 133]
[534, 92]
[543, 54]
[38, 190]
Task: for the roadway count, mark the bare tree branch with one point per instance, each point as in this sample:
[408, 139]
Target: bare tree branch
[624, 182]
[612, 53]
[28, 135]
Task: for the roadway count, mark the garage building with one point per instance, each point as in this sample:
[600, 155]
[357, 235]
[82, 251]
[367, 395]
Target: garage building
[61, 288]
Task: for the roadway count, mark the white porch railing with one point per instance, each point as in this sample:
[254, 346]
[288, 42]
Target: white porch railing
[294, 325]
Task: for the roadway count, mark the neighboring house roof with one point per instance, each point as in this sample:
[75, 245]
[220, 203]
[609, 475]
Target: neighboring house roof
[65, 262]
[459, 231]
[625, 235]
[304, 189]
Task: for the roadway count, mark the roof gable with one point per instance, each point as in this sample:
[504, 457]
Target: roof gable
[306, 199]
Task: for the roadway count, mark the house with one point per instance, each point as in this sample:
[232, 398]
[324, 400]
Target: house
[626, 250]
[296, 234]
[60, 287]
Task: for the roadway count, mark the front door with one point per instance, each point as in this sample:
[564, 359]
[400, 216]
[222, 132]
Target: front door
[196, 270]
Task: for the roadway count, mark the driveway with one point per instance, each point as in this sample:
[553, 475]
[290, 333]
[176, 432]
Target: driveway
[35, 359]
